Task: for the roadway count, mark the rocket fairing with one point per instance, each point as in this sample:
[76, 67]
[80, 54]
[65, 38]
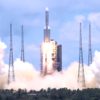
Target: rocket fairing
[46, 29]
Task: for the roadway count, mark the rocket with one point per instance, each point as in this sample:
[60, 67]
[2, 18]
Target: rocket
[47, 28]
[51, 52]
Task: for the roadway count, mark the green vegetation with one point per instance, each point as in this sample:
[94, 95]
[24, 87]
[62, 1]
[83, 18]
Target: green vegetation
[51, 94]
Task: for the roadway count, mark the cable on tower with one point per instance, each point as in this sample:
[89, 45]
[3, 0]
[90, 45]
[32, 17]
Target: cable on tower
[11, 74]
[22, 44]
[89, 50]
[81, 77]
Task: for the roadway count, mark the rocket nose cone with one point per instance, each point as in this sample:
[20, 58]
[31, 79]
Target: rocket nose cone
[46, 9]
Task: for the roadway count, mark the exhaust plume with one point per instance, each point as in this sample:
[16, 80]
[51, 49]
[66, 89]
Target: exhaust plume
[28, 77]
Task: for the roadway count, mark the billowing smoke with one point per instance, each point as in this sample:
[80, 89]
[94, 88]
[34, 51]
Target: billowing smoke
[2, 65]
[95, 67]
[28, 77]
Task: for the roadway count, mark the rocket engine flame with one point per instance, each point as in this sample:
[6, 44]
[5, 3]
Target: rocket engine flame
[48, 49]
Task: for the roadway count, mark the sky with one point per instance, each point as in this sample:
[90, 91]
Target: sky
[65, 16]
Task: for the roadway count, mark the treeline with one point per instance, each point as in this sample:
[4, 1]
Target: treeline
[51, 94]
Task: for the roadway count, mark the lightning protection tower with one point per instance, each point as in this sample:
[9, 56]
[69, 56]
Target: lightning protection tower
[11, 74]
[81, 77]
[22, 44]
[89, 50]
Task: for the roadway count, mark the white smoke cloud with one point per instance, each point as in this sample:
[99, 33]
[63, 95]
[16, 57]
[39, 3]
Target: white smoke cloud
[28, 77]
[2, 65]
[95, 67]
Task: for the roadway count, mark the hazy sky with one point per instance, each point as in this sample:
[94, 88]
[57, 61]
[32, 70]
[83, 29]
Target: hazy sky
[65, 16]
